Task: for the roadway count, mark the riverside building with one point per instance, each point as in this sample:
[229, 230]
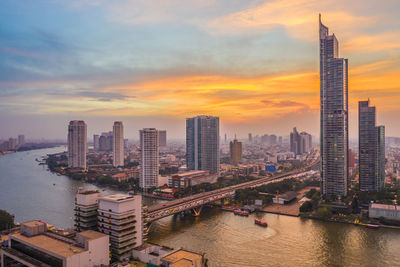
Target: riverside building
[86, 205]
[77, 144]
[149, 158]
[34, 246]
[120, 217]
[334, 115]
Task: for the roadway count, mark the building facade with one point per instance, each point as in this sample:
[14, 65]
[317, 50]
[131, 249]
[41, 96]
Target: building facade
[149, 158]
[86, 205]
[34, 246]
[77, 144]
[202, 143]
[371, 149]
[120, 217]
[162, 136]
[334, 116]
[96, 142]
[235, 148]
[118, 144]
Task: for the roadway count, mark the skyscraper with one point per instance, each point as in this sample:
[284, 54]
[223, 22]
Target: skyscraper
[250, 138]
[118, 144]
[295, 142]
[235, 148]
[202, 143]
[77, 144]
[334, 115]
[149, 158]
[96, 142]
[370, 137]
[21, 140]
[162, 137]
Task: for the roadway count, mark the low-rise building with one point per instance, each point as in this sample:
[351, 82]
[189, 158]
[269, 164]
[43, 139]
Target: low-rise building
[390, 212]
[191, 178]
[34, 246]
[284, 198]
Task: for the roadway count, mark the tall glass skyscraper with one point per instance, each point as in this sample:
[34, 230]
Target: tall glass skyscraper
[371, 147]
[202, 143]
[334, 116]
[77, 144]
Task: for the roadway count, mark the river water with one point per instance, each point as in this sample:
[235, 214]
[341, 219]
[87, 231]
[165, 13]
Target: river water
[27, 191]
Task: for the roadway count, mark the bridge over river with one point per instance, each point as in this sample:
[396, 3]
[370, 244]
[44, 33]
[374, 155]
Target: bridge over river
[195, 202]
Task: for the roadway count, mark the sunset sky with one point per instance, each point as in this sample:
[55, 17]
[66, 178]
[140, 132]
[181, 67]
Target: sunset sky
[255, 64]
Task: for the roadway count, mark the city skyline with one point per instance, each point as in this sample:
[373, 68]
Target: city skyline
[60, 74]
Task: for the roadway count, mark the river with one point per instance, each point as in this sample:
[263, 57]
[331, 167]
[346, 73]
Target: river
[27, 191]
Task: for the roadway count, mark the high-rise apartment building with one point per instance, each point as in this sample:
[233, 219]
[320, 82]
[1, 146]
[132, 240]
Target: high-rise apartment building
[120, 217]
[96, 142]
[295, 142]
[334, 115]
[202, 143]
[77, 144]
[21, 140]
[235, 148]
[371, 144]
[118, 144]
[149, 158]
[162, 138]
[250, 138]
[306, 142]
[86, 205]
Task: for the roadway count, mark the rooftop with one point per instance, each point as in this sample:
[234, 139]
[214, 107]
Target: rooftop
[34, 223]
[87, 192]
[50, 244]
[92, 234]
[117, 197]
[183, 258]
[384, 206]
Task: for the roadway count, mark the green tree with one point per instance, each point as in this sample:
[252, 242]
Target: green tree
[306, 207]
[6, 220]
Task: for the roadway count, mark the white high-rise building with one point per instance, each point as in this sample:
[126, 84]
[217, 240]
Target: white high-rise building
[118, 144]
[86, 205]
[149, 158]
[120, 216]
[77, 144]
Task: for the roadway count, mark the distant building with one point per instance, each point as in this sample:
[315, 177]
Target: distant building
[34, 246]
[96, 141]
[371, 149]
[77, 144]
[334, 133]
[202, 143]
[250, 138]
[118, 144]
[86, 205]
[352, 161]
[126, 141]
[280, 140]
[21, 140]
[162, 138]
[149, 158]
[300, 143]
[120, 217]
[12, 143]
[235, 148]
[272, 139]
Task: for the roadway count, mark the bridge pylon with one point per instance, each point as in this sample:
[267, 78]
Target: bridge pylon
[197, 210]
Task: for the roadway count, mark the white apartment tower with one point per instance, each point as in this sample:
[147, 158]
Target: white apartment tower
[77, 144]
[149, 158]
[120, 216]
[118, 144]
[86, 205]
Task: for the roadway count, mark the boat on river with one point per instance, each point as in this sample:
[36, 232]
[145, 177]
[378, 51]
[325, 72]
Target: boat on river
[241, 212]
[261, 222]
